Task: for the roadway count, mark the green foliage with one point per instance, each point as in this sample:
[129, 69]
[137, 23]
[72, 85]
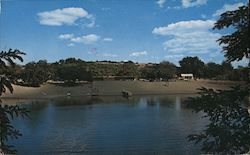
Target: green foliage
[148, 72]
[212, 70]
[128, 69]
[164, 70]
[35, 74]
[225, 71]
[103, 69]
[229, 129]
[8, 112]
[7, 129]
[5, 84]
[8, 56]
[240, 74]
[71, 73]
[192, 65]
[235, 45]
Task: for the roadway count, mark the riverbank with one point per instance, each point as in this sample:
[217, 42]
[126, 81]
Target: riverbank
[108, 88]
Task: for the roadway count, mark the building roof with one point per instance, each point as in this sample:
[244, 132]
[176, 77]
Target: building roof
[187, 75]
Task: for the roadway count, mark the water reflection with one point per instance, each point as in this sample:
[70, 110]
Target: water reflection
[108, 125]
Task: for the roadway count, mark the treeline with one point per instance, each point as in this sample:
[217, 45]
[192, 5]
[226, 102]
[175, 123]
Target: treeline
[72, 70]
[211, 70]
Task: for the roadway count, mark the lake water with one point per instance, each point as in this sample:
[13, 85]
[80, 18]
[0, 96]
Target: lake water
[109, 125]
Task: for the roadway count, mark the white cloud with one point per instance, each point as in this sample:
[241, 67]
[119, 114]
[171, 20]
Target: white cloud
[215, 54]
[243, 62]
[155, 57]
[174, 56]
[94, 52]
[174, 8]
[196, 42]
[70, 44]
[108, 55]
[86, 39]
[203, 16]
[91, 22]
[108, 39]
[227, 7]
[185, 4]
[161, 3]
[65, 16]
[183, 27]
[189, 37]
[137, 54]
[191, 3]
[66, 36]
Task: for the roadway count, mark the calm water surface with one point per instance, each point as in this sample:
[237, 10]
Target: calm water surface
[110, 125]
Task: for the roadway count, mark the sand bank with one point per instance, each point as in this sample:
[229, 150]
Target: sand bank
[115, 88]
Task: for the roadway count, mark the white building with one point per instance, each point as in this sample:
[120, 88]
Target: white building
[187, 76]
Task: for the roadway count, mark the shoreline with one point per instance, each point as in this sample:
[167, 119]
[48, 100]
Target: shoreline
[104, 95]
[114, 88]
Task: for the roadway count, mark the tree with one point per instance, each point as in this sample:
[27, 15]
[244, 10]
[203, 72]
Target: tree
[235, 45]
[35, 73]
[148, 72]
[240, 74]
[226, 67]
[192, 65]
[128, 69]
[70, 73]
[229, 129]
[212, 70]
[8, 112]
[166, 70]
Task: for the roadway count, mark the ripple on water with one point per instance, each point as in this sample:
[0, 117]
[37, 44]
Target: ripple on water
[110, 127]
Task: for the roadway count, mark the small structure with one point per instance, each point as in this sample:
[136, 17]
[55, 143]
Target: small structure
[126, 93]
[187, 76]
[68, 94]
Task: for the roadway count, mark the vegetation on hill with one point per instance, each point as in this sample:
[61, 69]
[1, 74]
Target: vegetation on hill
[165, 70]
[72, 70]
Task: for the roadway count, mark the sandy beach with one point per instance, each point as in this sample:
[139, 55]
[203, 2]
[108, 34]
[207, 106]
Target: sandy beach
[104, 88]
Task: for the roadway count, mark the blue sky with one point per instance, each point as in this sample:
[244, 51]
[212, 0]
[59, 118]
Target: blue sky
[119, 30]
